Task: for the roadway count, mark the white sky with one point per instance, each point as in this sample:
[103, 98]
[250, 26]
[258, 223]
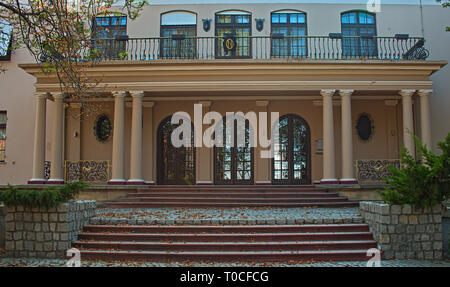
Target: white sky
[383, 2]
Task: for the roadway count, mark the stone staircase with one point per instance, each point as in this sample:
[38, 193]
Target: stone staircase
[236, 196]
[243, 242]
[250, 243]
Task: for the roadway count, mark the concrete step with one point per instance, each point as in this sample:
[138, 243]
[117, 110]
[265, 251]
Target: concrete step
[243, 203]
[227, 246]
[229, 237]
[232, 199]
[226, 256]
[306, 228]
[234, 194]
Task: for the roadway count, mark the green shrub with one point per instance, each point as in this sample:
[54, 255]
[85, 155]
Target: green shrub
[423, 183]
[48, 197]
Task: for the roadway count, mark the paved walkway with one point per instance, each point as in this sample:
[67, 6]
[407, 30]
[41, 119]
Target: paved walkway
[226, 216]
[5, 262]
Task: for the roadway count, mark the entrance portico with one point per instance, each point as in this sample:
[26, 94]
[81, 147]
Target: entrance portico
[327, 106]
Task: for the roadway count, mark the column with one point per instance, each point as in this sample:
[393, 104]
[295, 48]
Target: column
[118, 139]
[263, 166]
[348, 176]
[204, 155]
[136, 139]
[56, 174]
[408, 121]
[38, 176]
[425, 117]
[329, 172]
[148, 165]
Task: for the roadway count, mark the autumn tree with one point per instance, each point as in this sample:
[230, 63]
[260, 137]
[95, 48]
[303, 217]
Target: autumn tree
[445, 4]
[59, 34]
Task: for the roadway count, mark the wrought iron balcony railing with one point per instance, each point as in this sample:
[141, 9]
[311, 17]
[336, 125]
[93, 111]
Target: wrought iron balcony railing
[332, 47]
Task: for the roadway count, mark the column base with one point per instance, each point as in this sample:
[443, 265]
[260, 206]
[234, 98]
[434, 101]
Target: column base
[37, 181]
[263, 183]
[204, 182]
[117, 182]
[135, 182]
[55, 181]
[329, 181]
[348, 181]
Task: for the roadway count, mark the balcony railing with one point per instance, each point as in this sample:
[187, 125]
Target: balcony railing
[332, 47]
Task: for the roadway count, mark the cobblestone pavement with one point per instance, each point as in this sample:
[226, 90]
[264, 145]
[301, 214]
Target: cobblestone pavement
[6, 262]
[226, 216]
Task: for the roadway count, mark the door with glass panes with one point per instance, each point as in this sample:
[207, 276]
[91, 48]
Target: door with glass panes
[233, 160]
[291, 163]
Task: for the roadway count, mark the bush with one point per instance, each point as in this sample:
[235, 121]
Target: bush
[48, 197]
[423, 183]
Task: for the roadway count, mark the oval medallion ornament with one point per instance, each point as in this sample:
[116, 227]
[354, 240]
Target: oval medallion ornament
[364, 126]
[229, 43]
[102, 128]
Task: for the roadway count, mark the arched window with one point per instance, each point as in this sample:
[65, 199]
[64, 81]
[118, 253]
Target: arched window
[5, 40]
[237, 26]
[363, 25]
[289, 29]
[179, 29]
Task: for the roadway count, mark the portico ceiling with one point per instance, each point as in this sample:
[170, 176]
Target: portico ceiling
[250, 75]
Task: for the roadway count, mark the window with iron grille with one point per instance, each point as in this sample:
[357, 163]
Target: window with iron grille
[362, 25]
[178, 30]
[236, 25]
[289, 30]
[107, 33]
[2, 136]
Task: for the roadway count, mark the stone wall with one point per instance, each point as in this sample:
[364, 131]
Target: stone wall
[403, 232]
[2, 226]
[41, 233]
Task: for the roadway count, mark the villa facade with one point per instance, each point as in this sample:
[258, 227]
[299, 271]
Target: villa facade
[348, 84]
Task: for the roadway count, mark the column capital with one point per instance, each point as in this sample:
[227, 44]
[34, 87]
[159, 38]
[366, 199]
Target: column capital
[57, 95]
[343, 93]
[137, 94]
[262, 103]
[406, 93]
[424, 93]
[75, 105]
[119, 94]
[205, 104]
[327, 92]
[41, 95]
[148, 104]
[390, 103]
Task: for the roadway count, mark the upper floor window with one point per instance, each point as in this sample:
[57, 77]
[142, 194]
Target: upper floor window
[178, 30]
[2, 136]
[5, 40]
[233, 29]
[362, 25]
[106, 29]
[289, 29]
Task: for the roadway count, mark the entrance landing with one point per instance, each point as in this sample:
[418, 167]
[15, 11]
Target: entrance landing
[232, 196]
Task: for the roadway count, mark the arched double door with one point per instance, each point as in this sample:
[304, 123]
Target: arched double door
[291, 163]
[233, 158]
[176, 166]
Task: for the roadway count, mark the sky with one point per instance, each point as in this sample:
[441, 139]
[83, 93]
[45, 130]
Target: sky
[413, 2]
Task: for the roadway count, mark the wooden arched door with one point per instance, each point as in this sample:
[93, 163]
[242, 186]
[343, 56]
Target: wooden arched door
[291, 163]
[176, 166]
